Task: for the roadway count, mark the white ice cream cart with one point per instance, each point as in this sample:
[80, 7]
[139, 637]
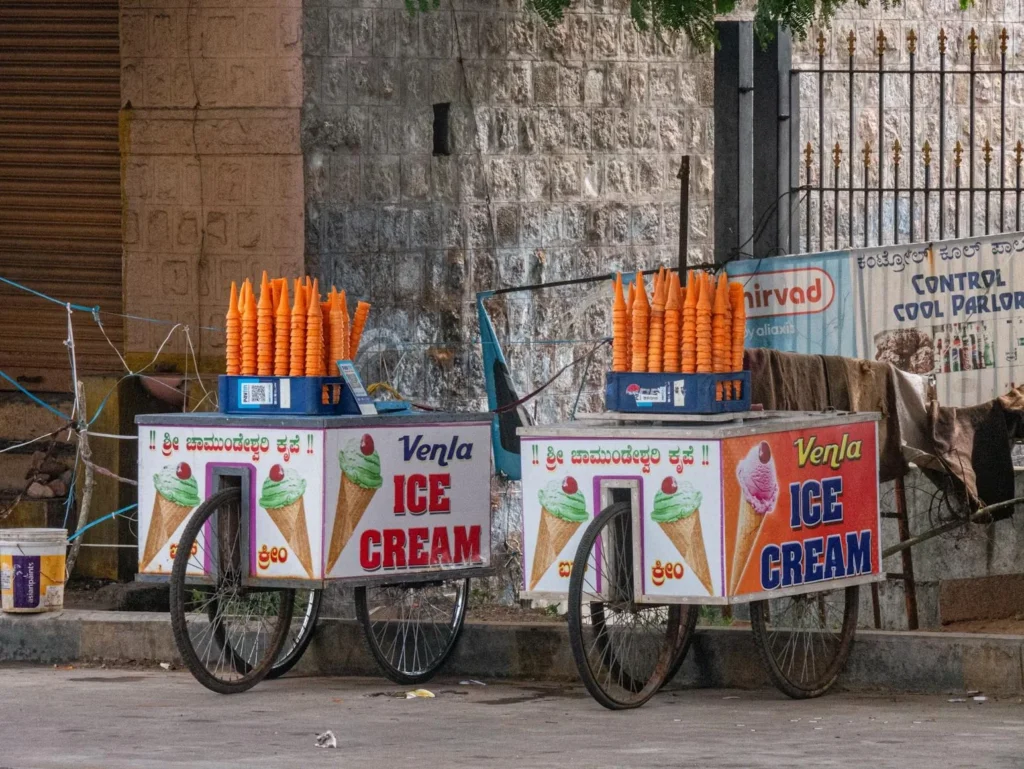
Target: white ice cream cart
[241, 512]
[638, 519]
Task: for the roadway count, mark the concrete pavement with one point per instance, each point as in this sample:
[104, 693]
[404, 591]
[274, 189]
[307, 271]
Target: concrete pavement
[145, 718]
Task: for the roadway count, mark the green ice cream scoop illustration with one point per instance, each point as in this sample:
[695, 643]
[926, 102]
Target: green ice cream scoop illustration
[673, 503]
[175, 483]
[564, 501]
[360, 462]
[282, 487]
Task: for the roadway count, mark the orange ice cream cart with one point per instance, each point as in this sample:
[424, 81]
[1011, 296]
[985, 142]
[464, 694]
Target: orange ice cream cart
[638, 519]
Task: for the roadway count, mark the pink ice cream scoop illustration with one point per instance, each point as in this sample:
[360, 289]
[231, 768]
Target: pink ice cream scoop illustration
[759, 491]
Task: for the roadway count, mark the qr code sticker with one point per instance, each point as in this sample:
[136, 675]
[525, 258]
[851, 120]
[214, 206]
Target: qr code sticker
[258, 394]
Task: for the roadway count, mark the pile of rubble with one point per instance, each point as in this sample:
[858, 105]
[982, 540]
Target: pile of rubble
[48, 477]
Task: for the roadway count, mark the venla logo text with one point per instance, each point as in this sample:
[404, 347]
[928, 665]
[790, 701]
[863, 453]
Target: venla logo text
[442, 453]
[831, 454]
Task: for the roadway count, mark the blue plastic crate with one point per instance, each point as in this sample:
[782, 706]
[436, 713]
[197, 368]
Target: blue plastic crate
[297, 395]
[667, 393]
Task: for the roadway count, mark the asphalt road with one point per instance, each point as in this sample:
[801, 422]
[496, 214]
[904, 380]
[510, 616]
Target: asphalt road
[87, 717]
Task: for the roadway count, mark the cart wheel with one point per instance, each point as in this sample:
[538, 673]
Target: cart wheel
[228, 635]
[805, 640]
[304, 617]
[411, 628]
[623, 650]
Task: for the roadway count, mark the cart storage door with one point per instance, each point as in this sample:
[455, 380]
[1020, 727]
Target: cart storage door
[60, 220]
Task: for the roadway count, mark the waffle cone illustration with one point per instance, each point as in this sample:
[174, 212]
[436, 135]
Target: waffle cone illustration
[177, 494]
[677, 511]
[353, 500]
[360, 479]
[282, 498]
[562, 511]
[687, 536]
[759, 491]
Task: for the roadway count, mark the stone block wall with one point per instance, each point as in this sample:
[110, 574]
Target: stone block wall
[212, 170]
[565, 145]
[925, 18]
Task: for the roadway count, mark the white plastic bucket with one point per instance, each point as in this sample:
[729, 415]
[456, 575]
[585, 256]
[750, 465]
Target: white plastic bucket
[32, 569]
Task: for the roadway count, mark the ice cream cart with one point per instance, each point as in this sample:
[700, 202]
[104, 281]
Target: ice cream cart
[638, 518]
[240, 512]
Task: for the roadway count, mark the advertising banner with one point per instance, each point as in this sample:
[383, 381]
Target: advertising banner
[951, 309]
[407, 499]
[718, 519]
[358, 502]
[801, 507]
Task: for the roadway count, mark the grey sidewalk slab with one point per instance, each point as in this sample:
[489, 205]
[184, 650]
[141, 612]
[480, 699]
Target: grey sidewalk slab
[720, 657]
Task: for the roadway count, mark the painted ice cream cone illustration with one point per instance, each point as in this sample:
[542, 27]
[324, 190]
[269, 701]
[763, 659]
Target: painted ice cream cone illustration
[759, 491]
[177, 494]
[677, 511]
[282, 498]
[360, 479]
[562, 511]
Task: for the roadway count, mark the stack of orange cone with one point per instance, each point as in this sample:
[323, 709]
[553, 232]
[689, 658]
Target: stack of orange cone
[619, 328]
[282, 331]
[629, 324]
[233, 335]
[739, 328]
[688, 356]
[641, 315]
[265, 331]
[297, 353]
[314, 334]
[656, 328]
[721, 335]
[358, 323]
[338, 336]
[705, 363]
[249, 321]
[672, 338]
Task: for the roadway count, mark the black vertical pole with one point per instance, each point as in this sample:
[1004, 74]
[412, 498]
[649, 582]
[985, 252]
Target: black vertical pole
[912, 48]
[942, 133]
[821, 141]
[1002, 130]
[973, 44]
[851, 42]
[881, 129]
[684, 214]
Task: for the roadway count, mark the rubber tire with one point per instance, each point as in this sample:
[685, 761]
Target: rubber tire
[179, 624]
[390, 672]
[577, 643]
[828, 679]
[291, 659]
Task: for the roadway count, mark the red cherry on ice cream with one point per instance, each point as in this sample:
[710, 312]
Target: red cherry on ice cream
[366, 445]
[764, 453]
[669, 485]
[184, 471]
[569, 485]
[277, 473]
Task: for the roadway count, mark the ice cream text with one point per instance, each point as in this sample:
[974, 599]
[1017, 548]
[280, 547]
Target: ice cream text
[419, 546]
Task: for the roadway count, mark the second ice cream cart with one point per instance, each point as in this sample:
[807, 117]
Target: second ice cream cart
[638, 519]
[239, 512]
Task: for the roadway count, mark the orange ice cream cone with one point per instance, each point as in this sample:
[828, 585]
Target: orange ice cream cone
[656, 325]
[703, 324]
[629, 324]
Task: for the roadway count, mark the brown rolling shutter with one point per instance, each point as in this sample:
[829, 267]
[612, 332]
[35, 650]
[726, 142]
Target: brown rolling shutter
[60, 192]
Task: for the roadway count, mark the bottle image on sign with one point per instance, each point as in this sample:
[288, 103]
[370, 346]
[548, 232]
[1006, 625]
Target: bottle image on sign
[759, 491]
[562, 510]
[360, 479]
[677, 511]
[177, 493]
[282, 498]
